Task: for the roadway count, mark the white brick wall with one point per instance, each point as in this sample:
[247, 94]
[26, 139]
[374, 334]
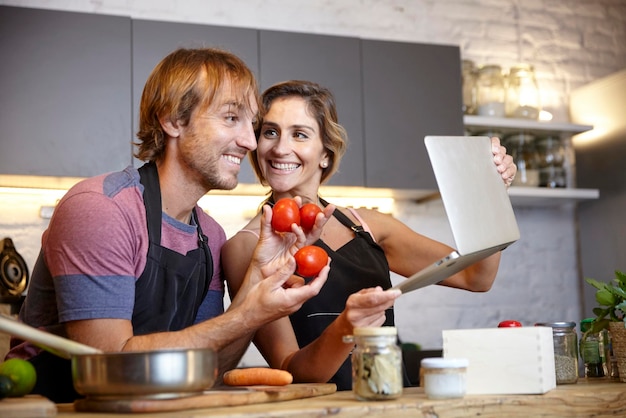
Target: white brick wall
[570, 42]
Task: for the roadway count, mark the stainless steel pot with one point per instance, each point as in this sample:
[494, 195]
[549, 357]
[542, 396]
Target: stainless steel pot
[154, 374]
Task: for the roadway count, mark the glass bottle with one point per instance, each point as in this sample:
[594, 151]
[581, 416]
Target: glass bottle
[565, 350]
[376, 363]
[490, 91]
[522, 93]
[592, 350]
[468, 78]
[522, 148]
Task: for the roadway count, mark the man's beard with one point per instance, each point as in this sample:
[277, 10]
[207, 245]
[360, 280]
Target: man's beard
[209, 173]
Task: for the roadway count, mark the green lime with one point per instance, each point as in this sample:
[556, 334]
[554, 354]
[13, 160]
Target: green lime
[6, 385]
[22, 373]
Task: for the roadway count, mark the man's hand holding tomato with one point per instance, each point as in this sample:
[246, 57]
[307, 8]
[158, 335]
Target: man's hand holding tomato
[275, 249]
[290, 215]
[273, 266]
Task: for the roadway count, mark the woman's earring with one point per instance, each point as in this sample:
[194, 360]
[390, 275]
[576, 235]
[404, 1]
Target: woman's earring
[324, 164]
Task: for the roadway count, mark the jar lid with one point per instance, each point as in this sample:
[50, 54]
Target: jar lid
[586, 324]
[491, 68]
[443, 362]
[556, 324]
[374, 331]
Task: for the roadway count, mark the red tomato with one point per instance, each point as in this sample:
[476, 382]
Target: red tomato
[509, 324]
[310, 260]
[284, 213]
[308, 212]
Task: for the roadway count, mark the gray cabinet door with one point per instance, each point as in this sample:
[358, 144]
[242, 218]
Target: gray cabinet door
[332, 61]
[409, 91]
[153, 40]
[65, 88]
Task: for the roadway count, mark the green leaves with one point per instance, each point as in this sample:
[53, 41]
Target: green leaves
[611, 296]
[605, 297]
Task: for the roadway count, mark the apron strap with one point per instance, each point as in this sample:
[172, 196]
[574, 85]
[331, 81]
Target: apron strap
[149, 177]
[341, 217]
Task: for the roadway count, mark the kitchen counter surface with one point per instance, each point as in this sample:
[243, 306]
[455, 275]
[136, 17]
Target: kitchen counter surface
[585, 399]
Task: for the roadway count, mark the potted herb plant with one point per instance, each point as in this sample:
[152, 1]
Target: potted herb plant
[611, 315]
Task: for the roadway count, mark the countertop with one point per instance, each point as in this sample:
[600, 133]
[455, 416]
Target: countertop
[597, 398]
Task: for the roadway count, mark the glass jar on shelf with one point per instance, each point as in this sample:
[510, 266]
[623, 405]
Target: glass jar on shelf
[569, 161]
[551, 162]
[521, 147]
[490, 91]
[468, 78]
[522, 93]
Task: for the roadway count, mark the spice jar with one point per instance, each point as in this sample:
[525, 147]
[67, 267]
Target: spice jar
[443, 378]
[522, 93]
[376, 363]
[565, 350]
[593, 352]
[525, 156]
[490, 91]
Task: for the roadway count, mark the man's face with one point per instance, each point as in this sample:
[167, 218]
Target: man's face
[218, 138]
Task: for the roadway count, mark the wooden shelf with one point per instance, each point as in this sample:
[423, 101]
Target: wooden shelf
[510, 125]
[543, 196]
[534, 196]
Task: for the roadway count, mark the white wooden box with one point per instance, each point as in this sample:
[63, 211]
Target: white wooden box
[504, 360]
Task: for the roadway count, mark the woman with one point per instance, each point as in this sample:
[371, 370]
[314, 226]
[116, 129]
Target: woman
[299, 147]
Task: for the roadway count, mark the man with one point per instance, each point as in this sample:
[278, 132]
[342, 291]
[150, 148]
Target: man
[130, 262]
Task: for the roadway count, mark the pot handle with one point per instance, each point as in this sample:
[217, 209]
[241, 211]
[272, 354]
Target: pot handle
[55, 344]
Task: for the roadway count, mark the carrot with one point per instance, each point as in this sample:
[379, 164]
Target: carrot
[257, 376]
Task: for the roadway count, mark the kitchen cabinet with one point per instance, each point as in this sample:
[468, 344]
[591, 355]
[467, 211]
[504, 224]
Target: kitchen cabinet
[333, 62]
[409, 91]
[533, 196]
[65, 83]
[153, 40]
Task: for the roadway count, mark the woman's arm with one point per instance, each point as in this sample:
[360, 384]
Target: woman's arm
[277, 342]
[408, 252]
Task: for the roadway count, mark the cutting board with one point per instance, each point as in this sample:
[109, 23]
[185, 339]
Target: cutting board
[209, 399]
[29, 406]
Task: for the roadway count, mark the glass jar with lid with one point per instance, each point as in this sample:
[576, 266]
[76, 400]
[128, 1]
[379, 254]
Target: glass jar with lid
[490, 91]
[565, 350]
[376, 363]
[521, 147]
[443, 378]
[522, 93]
[468, 78]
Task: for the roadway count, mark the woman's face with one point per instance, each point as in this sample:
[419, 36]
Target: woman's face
[290, 150]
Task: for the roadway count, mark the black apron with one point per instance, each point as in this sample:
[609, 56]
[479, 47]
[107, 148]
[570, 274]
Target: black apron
[172, 286]
[359, 264]
[167, 294]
